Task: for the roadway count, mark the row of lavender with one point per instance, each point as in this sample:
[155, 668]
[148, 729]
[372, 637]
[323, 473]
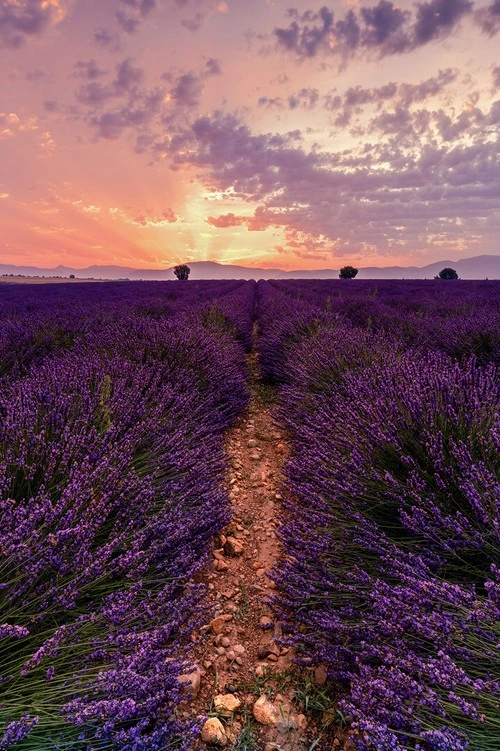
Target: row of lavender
[458, 319]
[111, 468]
[39, 320]
[392, 574]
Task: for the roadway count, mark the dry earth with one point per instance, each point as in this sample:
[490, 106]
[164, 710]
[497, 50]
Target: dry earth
[246, 684]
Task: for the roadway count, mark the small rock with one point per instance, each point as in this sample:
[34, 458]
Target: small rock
[267, 646]
[259, 671]
[231, 655]
[286, 723]
[280, 447]
[191, 682]
[233, 546]
[226, 704]
[239, 660]
[220, 565]
[320, 675]
[265, 712]
[302, 721]
[272, 658]
[225, 641]
[252, 443]
[265, 621]
[213, 732]
[217, 624]
[239, 649]
[255, 455]
[220, 651]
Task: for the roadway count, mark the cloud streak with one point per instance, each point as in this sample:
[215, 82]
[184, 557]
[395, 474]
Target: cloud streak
[383, 29]
[29, 18]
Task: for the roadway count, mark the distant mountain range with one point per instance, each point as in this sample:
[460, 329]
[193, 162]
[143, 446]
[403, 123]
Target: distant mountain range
[479, 267]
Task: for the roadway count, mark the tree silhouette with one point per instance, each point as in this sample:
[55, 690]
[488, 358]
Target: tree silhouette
[447, 273]
[182, 272]
[347, 272]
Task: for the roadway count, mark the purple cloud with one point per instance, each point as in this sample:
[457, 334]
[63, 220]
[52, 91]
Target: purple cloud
[195, 23]
[437, 17]
[443, 188]
[404, 94]
[225, 220]
[383, 28]
[51, 105]
[489, 18]
[136, 11]
[29, 19]
[128, 76]
[105, 38]
[88, 69]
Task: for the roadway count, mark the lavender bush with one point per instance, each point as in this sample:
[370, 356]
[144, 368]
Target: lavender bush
[111, 469]
[392, 537]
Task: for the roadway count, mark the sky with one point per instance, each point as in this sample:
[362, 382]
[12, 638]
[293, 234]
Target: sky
[267, 133]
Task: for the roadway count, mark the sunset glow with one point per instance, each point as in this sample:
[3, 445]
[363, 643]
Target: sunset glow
[266, 133]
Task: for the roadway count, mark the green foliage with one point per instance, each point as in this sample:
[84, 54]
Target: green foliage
[347, 272]
[447, 273]
[182, 272]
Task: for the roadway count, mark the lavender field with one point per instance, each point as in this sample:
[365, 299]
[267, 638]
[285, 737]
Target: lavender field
[115, 400]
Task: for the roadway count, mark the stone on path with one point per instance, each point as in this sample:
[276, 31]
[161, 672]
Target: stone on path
[265, 712]
[233, 547]
[213, 732]
[226, 704]
[191, 682]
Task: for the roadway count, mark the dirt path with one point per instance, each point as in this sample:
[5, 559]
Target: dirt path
[237, 654]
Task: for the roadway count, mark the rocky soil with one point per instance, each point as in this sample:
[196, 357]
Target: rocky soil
[245, 682]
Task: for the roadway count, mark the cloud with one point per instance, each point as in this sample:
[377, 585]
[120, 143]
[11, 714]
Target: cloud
[36, 75]
[11, 124]
[306, 98]
[213, 67]
[88, 69]
[496, 77]
[105, 38]
[188, 89]
[435, 18]
[167, 217]
[404, 95]
[128, 76]
[136, 11]
[489, 18]
[136, 113]
[384, 29]
[226, 220]
[189, 86]
[387, 197]
[29, 18]
[124, 102]
[195, 23]
[145, 220]
[51, 105]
